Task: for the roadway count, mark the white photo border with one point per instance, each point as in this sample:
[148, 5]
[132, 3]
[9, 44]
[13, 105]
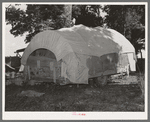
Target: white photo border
[70, 115]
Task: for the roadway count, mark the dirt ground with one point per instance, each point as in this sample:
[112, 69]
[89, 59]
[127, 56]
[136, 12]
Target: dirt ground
[121, 94]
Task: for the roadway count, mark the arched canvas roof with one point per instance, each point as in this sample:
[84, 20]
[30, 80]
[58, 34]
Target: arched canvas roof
[80, 47]
[79, 39]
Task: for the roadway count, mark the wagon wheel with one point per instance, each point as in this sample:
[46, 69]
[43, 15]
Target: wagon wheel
[102, 80]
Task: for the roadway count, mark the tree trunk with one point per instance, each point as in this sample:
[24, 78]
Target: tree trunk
[68, 15]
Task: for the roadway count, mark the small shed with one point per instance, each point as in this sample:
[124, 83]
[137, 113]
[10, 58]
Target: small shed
[76, 54]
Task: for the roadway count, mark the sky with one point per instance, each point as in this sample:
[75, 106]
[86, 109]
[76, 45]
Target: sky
[14, 43]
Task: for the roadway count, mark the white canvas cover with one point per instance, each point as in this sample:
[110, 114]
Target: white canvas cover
[77, 44]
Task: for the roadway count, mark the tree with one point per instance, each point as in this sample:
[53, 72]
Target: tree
[136, 23]
[128, 20]
[115, 17]
[37, 18]
[88, 15]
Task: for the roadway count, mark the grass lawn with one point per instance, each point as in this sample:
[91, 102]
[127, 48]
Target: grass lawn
[118, 95]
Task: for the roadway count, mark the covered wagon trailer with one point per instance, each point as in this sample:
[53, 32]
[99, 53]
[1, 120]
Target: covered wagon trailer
[73, 55]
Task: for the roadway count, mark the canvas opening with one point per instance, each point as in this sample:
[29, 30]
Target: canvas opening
[42, 64]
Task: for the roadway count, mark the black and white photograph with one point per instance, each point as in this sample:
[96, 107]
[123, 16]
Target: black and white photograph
[85, 61]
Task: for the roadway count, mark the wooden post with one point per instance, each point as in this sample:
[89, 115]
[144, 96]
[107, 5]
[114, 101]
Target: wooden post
[38, 64]
[49, 69]
[29, 72]
[63, 70]
[54, 73]
[62, 66]
[65, 73]
[25, 72]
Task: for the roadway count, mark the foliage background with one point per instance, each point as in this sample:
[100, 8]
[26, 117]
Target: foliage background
[129, 20]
